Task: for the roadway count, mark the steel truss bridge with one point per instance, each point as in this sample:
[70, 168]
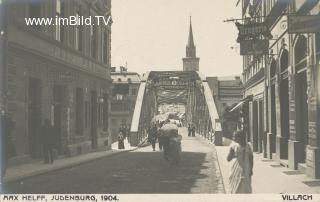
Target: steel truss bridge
[183, 87]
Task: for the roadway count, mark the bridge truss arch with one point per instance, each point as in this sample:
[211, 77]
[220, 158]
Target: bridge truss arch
[189, 88]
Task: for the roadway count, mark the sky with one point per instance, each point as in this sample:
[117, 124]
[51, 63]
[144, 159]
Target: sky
[152, 35]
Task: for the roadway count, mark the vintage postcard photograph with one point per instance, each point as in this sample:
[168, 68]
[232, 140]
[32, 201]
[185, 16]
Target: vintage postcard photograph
[159, 100]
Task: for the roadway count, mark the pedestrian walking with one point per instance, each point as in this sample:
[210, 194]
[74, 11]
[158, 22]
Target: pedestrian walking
[193, 130]
[241, 173]
[120, 140]
[160, 136]
[7, 146]
[48, 141]
[152, 136]
[124, 131]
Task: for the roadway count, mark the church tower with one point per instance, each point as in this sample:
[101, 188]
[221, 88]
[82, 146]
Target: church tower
[191, 61]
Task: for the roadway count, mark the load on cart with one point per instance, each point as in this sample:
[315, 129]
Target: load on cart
[171, 141]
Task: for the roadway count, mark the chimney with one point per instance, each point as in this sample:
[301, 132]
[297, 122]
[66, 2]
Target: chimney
[123, 69]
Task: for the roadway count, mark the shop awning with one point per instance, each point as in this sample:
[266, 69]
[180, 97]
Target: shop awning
[237, 106]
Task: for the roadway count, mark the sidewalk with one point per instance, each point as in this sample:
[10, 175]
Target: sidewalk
[22, 171]
[269, 176]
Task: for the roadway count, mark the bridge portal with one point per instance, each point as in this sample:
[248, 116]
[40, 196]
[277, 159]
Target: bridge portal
[186, 88]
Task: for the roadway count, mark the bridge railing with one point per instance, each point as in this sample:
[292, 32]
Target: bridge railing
[144, 111]
[205, 113]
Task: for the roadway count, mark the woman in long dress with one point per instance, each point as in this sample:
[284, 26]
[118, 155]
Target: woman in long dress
[241, 172]
[120, 140]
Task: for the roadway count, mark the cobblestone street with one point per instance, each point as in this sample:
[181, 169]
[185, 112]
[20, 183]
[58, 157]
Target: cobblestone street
[139, 171]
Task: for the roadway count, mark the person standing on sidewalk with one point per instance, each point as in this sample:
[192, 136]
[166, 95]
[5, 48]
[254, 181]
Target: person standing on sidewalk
[189, 129]
[193, 129]
[48, 141]
[7, 146]
[120, 139]
[241, 172]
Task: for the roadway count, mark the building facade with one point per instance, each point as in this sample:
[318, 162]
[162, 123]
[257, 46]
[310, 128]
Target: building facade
[284, 86]
[125, 86]
[227, 92]
[191, 61]
[60, 73]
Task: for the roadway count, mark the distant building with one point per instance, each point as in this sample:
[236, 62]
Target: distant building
[191, 61]
[227, 92]
[283, 83]
[125, 88]
[60, 73]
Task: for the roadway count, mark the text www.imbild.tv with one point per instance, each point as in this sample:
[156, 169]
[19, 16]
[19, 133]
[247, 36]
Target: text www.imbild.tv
[69, 21]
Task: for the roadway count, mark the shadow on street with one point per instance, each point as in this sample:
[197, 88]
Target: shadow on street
[130, 172]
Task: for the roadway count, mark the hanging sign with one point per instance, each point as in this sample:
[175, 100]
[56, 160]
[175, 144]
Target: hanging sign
[303, 24]
[254, 47]
[252, 30]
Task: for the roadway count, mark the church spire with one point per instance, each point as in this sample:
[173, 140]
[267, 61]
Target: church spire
[190, 39]
[191, 61]
[191, 48]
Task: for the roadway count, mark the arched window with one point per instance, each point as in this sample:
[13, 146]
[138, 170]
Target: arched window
[300, 53]
[273, 68]
[284, 60]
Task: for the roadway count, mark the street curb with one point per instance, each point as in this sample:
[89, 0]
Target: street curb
[113, 153]
[218, 161]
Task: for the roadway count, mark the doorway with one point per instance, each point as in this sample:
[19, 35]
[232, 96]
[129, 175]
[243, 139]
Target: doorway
[58, 100]
[273, 119]
[302, 112]
[94, 138]
[261, 126]
[34, 117]
[284, 103]
[301, 96]
[284, 115]
[255, 126]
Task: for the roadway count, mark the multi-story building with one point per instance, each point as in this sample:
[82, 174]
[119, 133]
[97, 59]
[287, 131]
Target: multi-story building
[284, 84]
[57, 72]
[125, 86]
[227, 92]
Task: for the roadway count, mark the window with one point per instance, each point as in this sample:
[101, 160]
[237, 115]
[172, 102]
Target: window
[105, 52]
[133, 91]
[58, 14]
[93, 36]
[35, 11]
[78, 35]
[60, 25]
[105, 111]
[79, 111]
[86, 114]
[119, 96]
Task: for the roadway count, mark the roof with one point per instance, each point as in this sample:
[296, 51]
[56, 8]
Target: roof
[125, 77]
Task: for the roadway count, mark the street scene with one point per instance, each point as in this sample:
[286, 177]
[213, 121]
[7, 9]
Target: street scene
[139, 171]
[168, 97]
